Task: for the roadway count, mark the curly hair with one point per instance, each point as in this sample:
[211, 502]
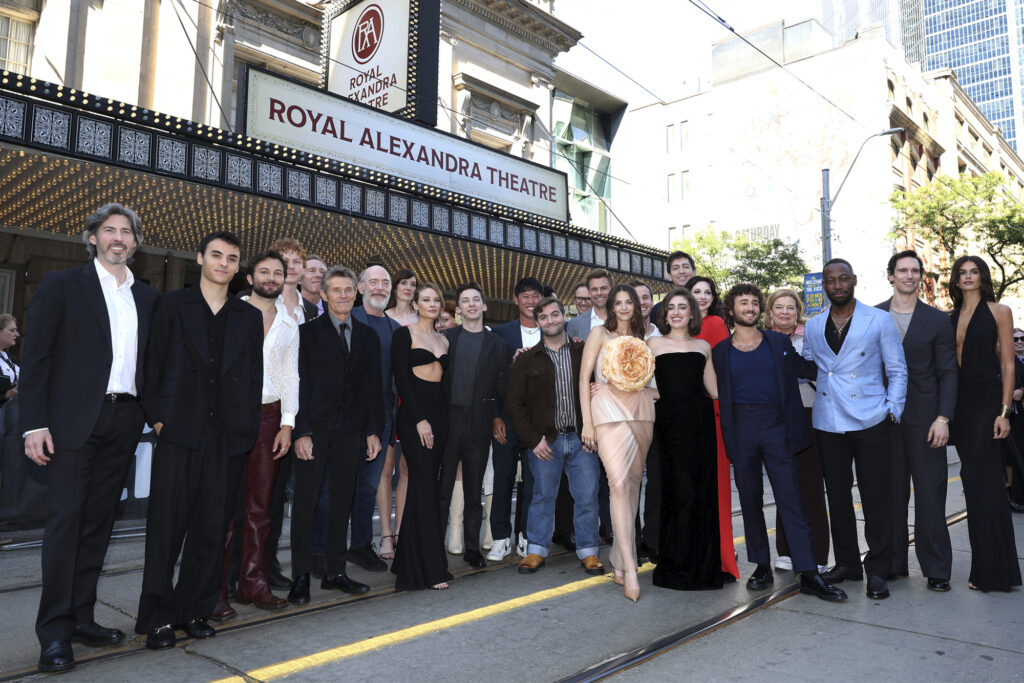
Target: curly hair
[742, 289]
[695, 319]
[286, 244]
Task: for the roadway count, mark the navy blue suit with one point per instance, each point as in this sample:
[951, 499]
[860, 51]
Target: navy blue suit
[772, 435]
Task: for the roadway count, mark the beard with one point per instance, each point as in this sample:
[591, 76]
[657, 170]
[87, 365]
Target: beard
[116, 259]
[268, 290]
[377, 302]
[746, 323]
[840, 299]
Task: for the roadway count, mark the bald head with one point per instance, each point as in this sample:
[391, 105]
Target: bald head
[375, 286]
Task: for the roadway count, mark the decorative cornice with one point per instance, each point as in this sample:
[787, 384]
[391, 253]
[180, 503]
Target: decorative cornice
[305, 31]
[526, 21]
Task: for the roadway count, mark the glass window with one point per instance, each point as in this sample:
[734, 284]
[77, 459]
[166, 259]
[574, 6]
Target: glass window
[15, 44]
[671, 138]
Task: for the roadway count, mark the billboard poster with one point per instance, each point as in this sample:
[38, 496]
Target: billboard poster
[814, 294]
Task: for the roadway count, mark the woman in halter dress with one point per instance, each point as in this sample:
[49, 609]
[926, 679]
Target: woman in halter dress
[620, 424]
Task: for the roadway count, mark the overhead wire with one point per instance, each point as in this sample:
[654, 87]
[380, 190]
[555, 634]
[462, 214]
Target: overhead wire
[200, 61]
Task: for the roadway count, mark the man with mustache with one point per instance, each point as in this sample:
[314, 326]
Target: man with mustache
[81, 378]
[861, 390]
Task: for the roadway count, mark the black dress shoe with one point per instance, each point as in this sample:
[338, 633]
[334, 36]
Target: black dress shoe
[761, 578]
[57, 656]
[341, 582]
[363, 556]
[160, 638]
[474, 559]
[812, 583]
[319, 566]
[840, 573]
[94, 635]
[877, 588]
[299, 594]
[278, 580]
[938, 585]
[1014, 505]
[198, 628]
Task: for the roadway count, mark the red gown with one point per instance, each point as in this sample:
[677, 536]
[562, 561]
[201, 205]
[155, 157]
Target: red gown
[713, 330]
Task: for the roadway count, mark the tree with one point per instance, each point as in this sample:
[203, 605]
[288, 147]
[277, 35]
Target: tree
[967, 214]
[730, 258]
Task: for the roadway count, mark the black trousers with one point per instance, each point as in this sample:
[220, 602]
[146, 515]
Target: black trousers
[913, 459]
[191, 502]
[340, 453]
[652, 499]
[469, 444]
[762, 442]
[869, 450]
[277, 501]
[85, 487]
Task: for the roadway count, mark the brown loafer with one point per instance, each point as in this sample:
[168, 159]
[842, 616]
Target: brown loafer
[265, 600]
[223, 611]
[592, 565]
[531, 563]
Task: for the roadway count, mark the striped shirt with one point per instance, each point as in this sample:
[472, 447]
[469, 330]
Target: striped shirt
[565, 417]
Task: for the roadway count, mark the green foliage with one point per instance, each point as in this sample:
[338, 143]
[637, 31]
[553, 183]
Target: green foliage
[967, 214]
[730, 258]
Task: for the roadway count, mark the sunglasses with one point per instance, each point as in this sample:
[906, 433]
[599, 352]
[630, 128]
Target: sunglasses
[1018, 339]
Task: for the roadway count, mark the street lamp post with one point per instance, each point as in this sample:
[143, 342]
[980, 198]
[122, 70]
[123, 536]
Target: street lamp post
[827, 203]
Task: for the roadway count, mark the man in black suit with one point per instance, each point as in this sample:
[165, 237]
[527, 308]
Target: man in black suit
[475, 383]
[204, 396]
[339, 401]
[519, 333]
[763, 423]
[919, 439]
[81, 375]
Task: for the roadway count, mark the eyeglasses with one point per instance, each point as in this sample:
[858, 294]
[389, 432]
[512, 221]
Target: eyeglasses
[1018, 339]
[583, 299]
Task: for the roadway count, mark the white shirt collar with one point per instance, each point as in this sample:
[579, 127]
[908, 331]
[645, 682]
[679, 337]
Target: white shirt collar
[104, 274]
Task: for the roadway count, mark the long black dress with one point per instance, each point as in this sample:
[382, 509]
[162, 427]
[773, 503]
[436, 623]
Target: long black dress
[684, 427]
[420, 559]
[994, 563]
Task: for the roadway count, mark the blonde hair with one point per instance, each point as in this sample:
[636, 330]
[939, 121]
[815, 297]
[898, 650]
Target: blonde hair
[769, 322]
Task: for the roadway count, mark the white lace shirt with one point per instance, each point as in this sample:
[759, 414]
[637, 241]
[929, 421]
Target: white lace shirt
[281, 364]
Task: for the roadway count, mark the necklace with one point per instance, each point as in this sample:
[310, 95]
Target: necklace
[747, 347]
[841, 323]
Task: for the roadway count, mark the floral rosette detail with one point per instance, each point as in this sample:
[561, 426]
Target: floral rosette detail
[628, 363]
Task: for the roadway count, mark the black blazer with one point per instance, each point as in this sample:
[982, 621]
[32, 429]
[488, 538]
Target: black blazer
[337, 396]
[178, 367]
[931, 365]
[67, 355]
[490, 378]
[309, 309]
[789, 367]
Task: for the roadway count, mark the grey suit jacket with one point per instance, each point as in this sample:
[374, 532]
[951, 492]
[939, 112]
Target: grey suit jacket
[579, 327]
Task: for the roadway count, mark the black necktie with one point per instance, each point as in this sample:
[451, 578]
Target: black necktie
[344, 342]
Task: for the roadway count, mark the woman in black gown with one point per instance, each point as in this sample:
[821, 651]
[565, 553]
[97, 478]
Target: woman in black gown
[986, 381]
[684, 427]
[419, 357]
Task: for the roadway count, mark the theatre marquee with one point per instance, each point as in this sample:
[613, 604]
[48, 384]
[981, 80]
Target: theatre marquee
[286, 113]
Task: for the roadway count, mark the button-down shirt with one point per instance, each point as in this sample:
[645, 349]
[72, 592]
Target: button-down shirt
[595, 320]
[347, 326]
[124, 330]
[565, 387]
[281, 363]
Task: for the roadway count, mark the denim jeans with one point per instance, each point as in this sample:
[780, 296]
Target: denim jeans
[583, 470]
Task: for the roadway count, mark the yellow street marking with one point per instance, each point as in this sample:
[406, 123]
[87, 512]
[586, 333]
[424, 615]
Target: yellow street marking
[299, 664]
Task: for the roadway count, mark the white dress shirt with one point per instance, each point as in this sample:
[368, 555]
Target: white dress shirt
[281, 363]
[595, 320]
[124, 330]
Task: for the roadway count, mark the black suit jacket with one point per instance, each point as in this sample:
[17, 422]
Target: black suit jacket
[309, 309]
[334, 395]
[931, 365]
[490, 378]
[177, 364]
[789, 367]
[68, 353]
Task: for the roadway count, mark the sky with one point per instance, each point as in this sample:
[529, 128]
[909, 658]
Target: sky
[664, 45]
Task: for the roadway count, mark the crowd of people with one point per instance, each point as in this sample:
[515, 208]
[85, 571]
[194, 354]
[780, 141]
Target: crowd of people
[295, 386]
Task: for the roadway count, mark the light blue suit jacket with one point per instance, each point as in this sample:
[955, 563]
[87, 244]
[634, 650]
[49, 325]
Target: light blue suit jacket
[851, 390]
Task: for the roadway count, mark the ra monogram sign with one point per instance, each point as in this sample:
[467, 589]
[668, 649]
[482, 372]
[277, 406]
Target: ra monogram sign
[383, 53]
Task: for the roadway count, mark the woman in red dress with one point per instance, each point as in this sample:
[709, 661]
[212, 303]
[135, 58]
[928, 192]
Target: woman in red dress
[713, 330]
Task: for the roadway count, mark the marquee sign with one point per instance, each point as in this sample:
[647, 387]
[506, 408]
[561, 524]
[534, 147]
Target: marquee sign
[290, 114]
[384, 53]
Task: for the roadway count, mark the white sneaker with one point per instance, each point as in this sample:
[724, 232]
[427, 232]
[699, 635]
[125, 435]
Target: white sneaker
[500, 550]
[521, 546]
[822, 568]
[784, 562]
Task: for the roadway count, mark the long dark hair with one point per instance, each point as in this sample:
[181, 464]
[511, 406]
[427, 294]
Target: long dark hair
[403, 274]
[637, 328]
[716, 301]
[987, 291]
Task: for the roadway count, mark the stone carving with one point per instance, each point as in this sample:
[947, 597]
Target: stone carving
[494, 109]
[308, 33]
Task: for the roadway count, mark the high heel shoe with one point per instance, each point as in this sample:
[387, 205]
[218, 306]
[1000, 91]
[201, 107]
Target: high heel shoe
[618, 577]
[632, 592]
